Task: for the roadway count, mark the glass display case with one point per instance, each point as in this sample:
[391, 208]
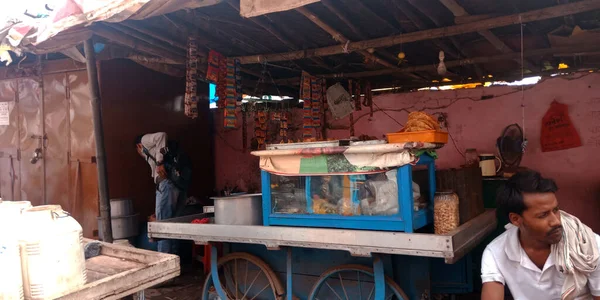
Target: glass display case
[381, 201]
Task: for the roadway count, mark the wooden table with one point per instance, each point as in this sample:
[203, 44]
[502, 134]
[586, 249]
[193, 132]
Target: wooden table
[120, 271]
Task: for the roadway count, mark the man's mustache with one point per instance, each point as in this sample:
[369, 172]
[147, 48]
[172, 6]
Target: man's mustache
[555, 229]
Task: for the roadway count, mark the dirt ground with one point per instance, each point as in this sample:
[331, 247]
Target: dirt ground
[188, 286]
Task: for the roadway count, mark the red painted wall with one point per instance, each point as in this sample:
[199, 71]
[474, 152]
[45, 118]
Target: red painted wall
[475, 123]
[137, 100]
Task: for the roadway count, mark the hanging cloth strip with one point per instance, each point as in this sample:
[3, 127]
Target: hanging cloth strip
[191, 80]
[229, 116]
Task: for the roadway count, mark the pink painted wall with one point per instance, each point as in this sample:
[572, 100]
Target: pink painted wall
[474, 123]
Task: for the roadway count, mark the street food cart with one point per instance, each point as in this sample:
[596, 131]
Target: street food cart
[328, 211]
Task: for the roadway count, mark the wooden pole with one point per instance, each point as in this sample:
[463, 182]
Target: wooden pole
[459, 62]
[101, 166]
[534, 15]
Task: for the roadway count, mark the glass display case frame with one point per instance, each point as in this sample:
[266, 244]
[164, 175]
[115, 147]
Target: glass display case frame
[406, 220]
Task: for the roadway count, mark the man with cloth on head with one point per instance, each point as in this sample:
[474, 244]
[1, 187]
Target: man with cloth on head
[545, 253]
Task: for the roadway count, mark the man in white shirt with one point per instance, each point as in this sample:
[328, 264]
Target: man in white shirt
[153, 147]
[520, 258]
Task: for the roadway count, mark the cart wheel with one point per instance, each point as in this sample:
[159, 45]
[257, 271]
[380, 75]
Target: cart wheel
[244, 277]
[352, 282]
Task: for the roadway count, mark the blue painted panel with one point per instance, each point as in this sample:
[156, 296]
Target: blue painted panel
[366, 223]
[412, 274]
[406, 220]
[452, 279]
[266, 196]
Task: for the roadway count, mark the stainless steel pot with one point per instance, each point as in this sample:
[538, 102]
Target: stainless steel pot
[121, 207]
[239, 210]
[122, 227]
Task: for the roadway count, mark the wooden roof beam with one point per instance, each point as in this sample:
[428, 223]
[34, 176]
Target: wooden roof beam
[340, 37]
[216, 34]
[587, 50]
[569, 20]
[530, 16]
[342, 16]
[439, 43]
[459, 11]
[145, 38]
[153, 34]
[278, 34]
[133, 43]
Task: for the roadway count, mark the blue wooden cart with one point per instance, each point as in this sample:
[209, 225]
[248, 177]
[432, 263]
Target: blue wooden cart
[304, 262]
[332, 252]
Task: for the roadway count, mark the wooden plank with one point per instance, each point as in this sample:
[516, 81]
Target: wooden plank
[470, 234]
[534, 15]
[95, 276]
[133, 254]
[110, 265]
[357, 242]
[161, 267]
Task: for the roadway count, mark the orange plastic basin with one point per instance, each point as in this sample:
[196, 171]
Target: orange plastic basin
[429, 136]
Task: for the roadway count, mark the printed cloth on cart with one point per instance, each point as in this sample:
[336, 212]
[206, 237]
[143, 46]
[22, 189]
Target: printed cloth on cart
[340, 160]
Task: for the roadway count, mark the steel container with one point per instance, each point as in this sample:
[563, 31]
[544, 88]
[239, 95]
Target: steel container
[121, 207]
[122, 227]
[238, 210]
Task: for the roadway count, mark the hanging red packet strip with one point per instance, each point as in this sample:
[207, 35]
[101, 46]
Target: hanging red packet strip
[305, 94]
[229, 114]
[316, 103]
[283, 127]
[191, 79]
[260, 128]
[558, 132]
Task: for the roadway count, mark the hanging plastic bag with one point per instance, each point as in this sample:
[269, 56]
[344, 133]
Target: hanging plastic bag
[558, 132]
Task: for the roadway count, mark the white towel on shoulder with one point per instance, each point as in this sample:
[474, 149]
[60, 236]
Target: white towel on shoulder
[576, 255]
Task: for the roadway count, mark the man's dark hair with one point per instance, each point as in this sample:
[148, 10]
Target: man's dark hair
[510, 196]
[138, 140]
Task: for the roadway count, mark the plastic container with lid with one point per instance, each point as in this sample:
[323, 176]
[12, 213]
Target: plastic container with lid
[446, 216]
[11, 280]
[51, 253]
